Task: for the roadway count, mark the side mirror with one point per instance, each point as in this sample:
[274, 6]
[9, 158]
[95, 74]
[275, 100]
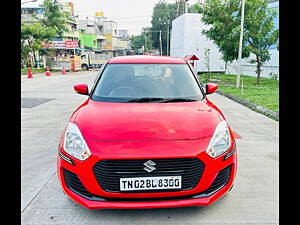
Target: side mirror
[81, 89]
[211, 88]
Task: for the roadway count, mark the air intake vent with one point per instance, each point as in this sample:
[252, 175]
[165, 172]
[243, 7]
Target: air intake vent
[74, 184]
[220, 181]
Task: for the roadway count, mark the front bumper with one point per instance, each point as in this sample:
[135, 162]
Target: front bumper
[100, 199]
[201, 201]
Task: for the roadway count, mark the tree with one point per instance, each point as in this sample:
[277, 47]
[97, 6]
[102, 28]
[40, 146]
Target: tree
[223, 17]
[52, 25]
[193, 8]
[138, 41]
[54, 17]
[259, 31]
[162, 16]
[32, 36]
[25, 51]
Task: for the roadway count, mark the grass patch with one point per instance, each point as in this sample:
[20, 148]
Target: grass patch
[36, 70]
[265, 94]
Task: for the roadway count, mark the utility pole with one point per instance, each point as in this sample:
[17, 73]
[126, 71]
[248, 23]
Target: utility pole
[238, 79]
[74, 44]
[160, 37]
[182, 6]
[168, 39]
[38, 59]
[145, 42]
[177, 11]
[160, 42]
[186, 6]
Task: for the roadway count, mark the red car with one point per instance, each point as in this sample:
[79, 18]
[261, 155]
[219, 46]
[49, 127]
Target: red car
[146, 137]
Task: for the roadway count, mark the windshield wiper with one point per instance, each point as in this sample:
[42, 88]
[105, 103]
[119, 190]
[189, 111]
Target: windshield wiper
[179, 100]
[163, 100]
[147, 100]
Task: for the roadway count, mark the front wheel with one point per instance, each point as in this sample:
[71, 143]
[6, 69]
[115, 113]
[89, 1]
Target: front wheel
[84, 67]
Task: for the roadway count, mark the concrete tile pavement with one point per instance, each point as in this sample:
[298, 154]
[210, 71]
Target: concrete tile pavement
[42, 125]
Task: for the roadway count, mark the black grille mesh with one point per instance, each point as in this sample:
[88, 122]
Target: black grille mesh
[109, 172]
[74, 184]
[221, 180]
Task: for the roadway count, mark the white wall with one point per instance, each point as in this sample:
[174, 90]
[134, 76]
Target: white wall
[271, 66]
[187, 39]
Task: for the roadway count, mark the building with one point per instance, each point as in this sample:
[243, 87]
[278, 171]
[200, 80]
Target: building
[91, 33]
[85, 33]
[31, 14]
[123, 34]
[99, 34]
[187, 39]
[68, 8]
[123, 40]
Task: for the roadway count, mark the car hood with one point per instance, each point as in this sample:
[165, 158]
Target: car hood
[105, 121]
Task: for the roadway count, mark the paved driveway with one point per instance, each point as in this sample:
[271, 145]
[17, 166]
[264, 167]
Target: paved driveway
[49, 101]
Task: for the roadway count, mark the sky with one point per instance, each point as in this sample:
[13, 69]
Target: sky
[132, 15]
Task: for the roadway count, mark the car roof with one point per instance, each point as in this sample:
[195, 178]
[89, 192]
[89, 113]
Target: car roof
[147, 59]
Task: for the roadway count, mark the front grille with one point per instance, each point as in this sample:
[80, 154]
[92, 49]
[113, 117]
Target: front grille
[74, 184]
[109, 172]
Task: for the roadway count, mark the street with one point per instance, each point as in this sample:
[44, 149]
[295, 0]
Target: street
[254, 198]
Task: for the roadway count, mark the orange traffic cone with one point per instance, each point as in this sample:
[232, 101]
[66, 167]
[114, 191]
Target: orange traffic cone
[29, 73]
[63, 70]
[47, 71]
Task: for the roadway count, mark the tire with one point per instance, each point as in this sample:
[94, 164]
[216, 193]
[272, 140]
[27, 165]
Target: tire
[84, 67]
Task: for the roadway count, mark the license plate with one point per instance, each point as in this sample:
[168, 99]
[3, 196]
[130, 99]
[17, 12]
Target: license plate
[150, 183]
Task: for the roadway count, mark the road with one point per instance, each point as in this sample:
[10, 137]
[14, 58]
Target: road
[253, 200]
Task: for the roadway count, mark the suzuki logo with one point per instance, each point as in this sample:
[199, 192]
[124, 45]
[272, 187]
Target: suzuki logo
[149, 166]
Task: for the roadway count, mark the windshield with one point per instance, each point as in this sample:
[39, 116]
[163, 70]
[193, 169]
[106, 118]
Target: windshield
[147, 83]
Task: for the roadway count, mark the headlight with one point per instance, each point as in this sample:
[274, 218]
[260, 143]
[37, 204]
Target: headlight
[220, 141]
[74, 143]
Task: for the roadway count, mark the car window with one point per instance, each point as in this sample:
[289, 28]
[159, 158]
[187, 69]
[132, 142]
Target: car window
[124, 82]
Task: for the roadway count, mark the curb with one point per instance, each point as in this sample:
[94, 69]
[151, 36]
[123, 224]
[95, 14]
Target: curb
[254, 107]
